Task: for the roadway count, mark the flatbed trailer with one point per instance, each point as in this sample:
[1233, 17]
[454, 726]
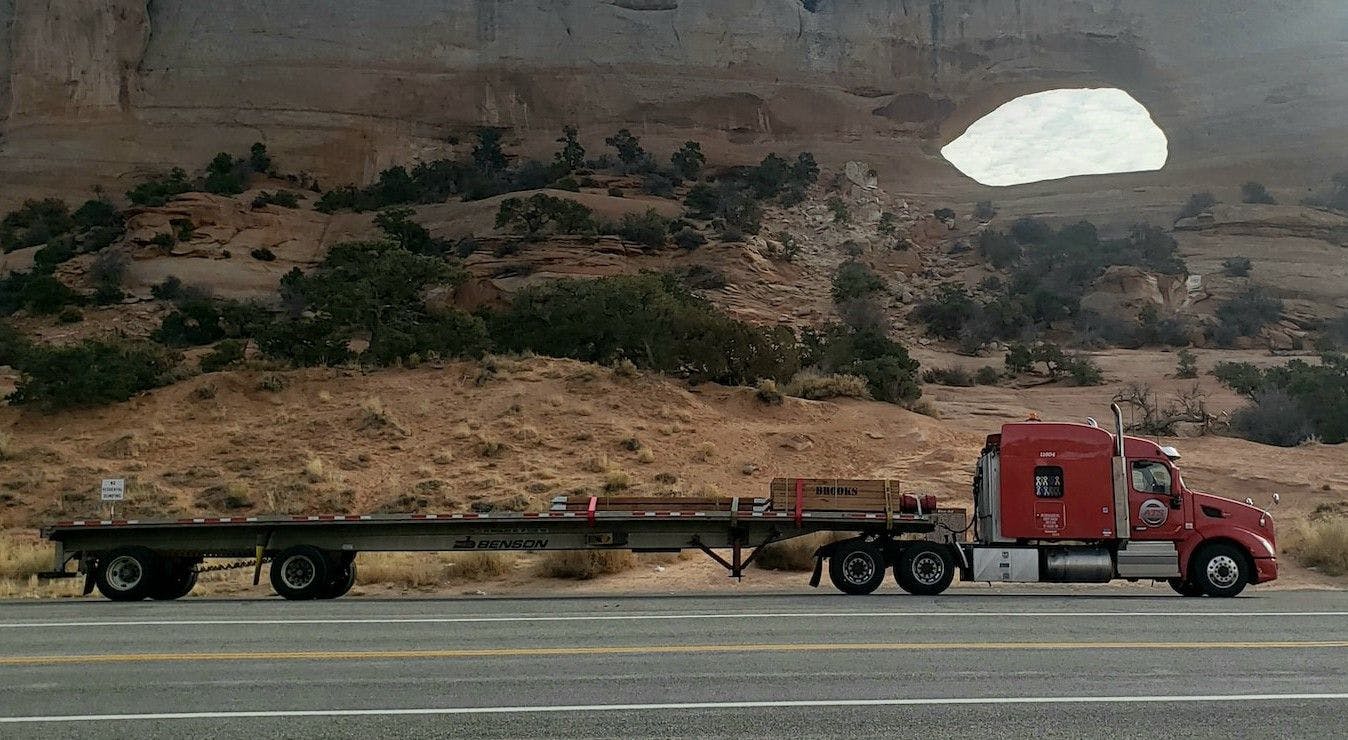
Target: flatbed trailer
[1052, 502]
[313, 556]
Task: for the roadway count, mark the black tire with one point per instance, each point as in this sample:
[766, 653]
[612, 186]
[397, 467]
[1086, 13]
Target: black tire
[1219, 570]
[925, 569]
[341, 582]
[857, 567]
[176, 580]
[1184, 588]
[301, 572]
[128, 574]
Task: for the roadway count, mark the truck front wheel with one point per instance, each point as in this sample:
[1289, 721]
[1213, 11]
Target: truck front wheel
[300, 572]
[1219, 570]
[924, 569]
[857, 567]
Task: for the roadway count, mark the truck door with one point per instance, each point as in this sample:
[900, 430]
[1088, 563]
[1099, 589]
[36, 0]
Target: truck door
[1156, 509]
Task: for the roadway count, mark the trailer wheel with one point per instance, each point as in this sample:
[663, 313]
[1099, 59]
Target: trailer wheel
[175, 581]
[1184, 588]
[127, 574]
[857, 567]
[1219, 570]
[340, 583]
[924, 569]
[300, 572]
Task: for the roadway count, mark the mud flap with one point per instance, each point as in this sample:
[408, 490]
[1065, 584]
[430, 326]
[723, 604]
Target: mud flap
[88, 582]
[818, 571]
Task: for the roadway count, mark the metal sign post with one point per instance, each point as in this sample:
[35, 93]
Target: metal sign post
[112, 491]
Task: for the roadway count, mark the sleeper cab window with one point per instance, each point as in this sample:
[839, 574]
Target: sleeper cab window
[1150, 476]
[1048, 481]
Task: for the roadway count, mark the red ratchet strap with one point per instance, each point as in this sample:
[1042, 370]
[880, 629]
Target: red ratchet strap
[589, 511]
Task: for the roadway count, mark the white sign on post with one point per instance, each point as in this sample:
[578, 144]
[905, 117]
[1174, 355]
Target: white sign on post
[114, 489]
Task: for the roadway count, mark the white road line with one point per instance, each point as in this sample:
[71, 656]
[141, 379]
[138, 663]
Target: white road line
[684, 706]
[657, 617]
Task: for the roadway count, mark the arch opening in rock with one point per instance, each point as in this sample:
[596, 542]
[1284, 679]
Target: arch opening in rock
[1060, 133]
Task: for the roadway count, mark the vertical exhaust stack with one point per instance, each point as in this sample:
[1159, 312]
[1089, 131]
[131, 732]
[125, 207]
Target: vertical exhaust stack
[1120, 464]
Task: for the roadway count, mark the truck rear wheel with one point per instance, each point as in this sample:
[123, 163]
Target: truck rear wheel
[1219, 570]
[127, 574]
[924, 569]
[857, 567]
[300, 572]
[176, 580]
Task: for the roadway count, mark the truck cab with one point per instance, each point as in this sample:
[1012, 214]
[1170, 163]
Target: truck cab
[1065, 502]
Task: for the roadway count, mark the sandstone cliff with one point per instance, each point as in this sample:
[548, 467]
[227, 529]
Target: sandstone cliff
[97, 90]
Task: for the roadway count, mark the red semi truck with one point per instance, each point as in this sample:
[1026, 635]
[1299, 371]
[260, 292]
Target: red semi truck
[1053, 503]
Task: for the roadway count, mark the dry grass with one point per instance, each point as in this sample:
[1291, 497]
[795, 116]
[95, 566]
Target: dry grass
[314, 471]
[425, 570]
[615, 481]
[816, 387]
[21, 559]
[7, 447]
[795, 554]
[706, 452]
[583, 565]
[645, 456]
[374, 418]
[1320, 544]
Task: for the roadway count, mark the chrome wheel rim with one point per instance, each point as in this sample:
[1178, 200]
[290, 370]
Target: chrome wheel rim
[1223, 571]
[928, 569]
[124, 573]
[859, 568]
[298, 572]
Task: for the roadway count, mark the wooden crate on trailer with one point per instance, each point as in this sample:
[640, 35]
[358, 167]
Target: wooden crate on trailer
[835, 494]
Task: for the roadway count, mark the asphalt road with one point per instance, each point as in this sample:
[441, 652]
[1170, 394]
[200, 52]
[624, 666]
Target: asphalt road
[1273, 664]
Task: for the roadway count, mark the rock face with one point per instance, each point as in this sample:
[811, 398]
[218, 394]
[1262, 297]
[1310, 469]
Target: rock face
[97, 90]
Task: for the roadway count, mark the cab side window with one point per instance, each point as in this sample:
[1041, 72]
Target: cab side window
[1150, 476]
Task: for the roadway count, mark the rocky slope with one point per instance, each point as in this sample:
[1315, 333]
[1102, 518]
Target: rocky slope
[98, 90]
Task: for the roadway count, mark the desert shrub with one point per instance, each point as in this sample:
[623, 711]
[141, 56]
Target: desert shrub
[572, 154]
[90, 373]
[821, 387]
[767, 392]
[226, 353]
[398, 226]
[985, 211]
[688, 160]
[1273, 417]
[40, 294]
[1320, 393]
[629, 149]
[998, 249]
[305, 341]
[226, 175]
[689, 238]
[650, 319]
[258, 159]
[455, 334]
[263, 254]
[1187, 367]
[531, 216]
[650, 229]
[855, 280]
[583, 565]
[838, 207]
[1336, 331]
[946, 314]
[658, 185]
[944, 214]
[955, 377]
[13, 345]
[1248, 312]
[157, 191]
[199, 319]
[1255, 192]
[987, 375]
[890, 374]
[1084, 371]
[1237, 266]
[282, 198]
[108, 270]
[729, 201]
[1321, 544]
[1031, 230]
[35, 222]
[864, 313]
[1197, 203]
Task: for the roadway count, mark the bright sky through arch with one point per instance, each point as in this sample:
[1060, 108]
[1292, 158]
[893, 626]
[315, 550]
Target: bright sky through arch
[1060, 133]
